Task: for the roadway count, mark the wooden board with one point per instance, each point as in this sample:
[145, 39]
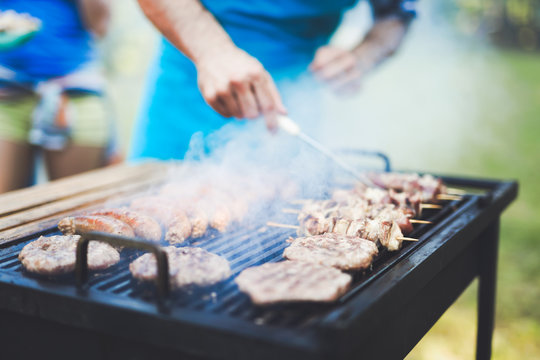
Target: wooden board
[25, 212]
[24, 199]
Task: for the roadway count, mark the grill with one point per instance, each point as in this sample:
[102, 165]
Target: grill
[385, 313]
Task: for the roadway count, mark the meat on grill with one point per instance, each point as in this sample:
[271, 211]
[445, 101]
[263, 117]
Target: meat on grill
[187, 266]
[179, 230]
[77, 224]
[292, 281]
[55, 255]
[339, 251]
[427, 185]
[379, 231]
[143, 226]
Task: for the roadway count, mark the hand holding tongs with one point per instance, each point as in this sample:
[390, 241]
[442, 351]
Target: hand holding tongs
[285, 123]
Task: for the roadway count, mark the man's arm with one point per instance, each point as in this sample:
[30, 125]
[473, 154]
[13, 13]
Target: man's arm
[345, 69]
[95, 15]
[231, 81]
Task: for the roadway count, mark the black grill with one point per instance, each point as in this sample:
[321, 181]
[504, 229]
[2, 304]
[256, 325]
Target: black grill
[221, 322]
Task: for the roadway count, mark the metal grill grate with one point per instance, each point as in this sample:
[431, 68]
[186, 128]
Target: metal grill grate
[243, 248]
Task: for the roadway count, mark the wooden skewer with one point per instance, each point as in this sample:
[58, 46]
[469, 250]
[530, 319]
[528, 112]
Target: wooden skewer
[286, 226]
[449, 197]
[430, 206]
[299, 201]
[290, 211]
[406, 239]
[415, 221]
[454, 191]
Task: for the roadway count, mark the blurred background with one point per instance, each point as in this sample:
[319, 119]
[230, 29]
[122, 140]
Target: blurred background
[461, 97]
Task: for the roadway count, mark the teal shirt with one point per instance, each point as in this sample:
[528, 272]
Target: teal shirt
[282, 34]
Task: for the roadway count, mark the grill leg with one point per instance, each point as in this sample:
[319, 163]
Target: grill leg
[486, 290]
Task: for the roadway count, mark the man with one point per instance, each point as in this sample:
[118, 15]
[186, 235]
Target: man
[51, 92]
[222, 59]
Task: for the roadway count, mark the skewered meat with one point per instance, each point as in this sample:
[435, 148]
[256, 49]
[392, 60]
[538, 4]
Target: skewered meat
[427, 185]
[55, 255]
[386, 233]
[143, 226]
[339, 251]
[77, 224]
[187, 266]
[292, 281]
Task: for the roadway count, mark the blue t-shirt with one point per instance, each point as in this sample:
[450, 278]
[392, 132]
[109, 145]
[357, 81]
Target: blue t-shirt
[61, 46]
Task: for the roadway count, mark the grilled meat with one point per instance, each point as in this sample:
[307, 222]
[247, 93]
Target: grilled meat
[187, 266]
[380, 231]
[143, 226]
[55, 255]
[292, 281]
[179, 230]
[339, 251]
[77, 224]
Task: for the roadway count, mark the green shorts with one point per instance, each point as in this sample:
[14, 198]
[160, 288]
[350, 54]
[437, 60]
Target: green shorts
[90, 126]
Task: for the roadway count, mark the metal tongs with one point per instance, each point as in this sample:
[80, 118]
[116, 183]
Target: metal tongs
[288, 125]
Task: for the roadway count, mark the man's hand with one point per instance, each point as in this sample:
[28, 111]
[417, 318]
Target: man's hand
[232, 82]
[344, 69]
[236, 84]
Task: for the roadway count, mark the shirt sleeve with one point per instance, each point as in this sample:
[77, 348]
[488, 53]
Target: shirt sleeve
[404, 9]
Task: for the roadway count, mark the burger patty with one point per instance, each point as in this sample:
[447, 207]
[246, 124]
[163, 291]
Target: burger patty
[54, 255]
[292, 281]
[339, 251]
[187, 266]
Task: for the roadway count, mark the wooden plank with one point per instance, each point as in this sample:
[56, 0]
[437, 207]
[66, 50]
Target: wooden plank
[36, 219]
[78, 184]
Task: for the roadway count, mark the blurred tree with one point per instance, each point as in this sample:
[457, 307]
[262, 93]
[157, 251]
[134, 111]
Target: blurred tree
[512, 23]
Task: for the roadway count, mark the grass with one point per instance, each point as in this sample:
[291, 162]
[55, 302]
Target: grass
[514, 152]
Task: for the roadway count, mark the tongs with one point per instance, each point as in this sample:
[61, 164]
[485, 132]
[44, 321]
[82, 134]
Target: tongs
[288, 125]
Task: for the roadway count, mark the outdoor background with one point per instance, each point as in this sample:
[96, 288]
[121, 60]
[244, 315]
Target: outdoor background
[462, 97]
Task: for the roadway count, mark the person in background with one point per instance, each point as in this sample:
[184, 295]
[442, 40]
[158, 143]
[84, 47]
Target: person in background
[51, 91]
[227, 59]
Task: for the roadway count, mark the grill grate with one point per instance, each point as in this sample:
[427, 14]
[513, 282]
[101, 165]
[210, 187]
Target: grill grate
[243, 247]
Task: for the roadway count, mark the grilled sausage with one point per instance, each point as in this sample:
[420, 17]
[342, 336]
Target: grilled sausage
[143, 226]
[77, 224]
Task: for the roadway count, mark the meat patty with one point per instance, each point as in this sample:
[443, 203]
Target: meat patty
[187, 266]
[54, 255]
[292, 281]
[339, 251]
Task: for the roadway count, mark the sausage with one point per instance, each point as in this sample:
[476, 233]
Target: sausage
[179, 230]
[143, 226]
[161, 209]
[77, 224]
[199, 222]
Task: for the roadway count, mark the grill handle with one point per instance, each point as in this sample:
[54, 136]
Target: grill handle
[81, 264]
[369, 154]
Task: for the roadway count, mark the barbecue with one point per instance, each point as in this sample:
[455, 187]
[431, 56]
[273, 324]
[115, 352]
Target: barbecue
[399, 295]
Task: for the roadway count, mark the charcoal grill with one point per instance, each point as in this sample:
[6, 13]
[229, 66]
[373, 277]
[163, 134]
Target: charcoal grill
[386, 312]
